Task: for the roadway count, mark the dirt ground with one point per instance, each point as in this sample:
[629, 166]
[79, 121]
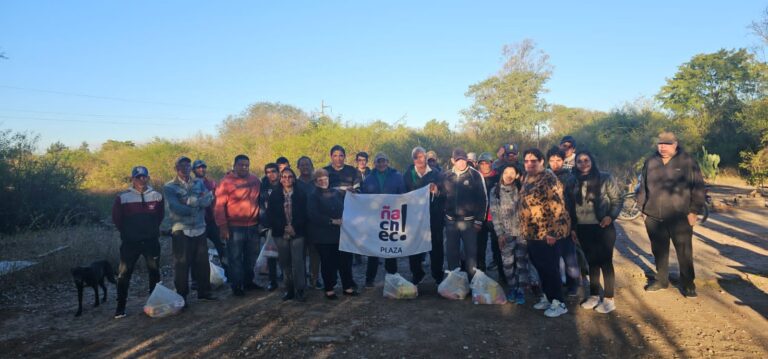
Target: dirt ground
[729, 319]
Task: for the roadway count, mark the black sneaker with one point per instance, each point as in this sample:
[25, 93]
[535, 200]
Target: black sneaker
[690, 293]
[288, 295]
[237, 292]
[300, 296]
[417, 279]
[119, 313]
[272, 286]
[656, 286]
[207, 297]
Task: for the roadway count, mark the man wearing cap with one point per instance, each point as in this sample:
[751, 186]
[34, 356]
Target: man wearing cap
[200, 169]
[382, 180]
[491, 178]
[466, 201]
[568, 145]
[418, 175]
[137, 213]
[671, 194]
[432, 160]
[269, 183]
[187, 199]
[237, 215]
[507, 154]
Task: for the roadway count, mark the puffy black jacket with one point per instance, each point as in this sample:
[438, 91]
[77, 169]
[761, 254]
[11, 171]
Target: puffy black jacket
[671, 190]
[465, 195]
[610, 202]
[322, 206]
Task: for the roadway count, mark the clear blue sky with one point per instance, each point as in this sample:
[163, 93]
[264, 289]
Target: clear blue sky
[142, 69]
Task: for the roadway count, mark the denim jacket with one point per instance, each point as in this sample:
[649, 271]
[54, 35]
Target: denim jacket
[186, 203]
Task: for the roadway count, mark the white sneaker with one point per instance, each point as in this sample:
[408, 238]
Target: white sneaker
[542, 304]
[606, 306]
[591, 302]
[556, 309]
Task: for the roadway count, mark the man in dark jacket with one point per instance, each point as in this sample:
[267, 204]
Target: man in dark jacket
[270, 183]
[466, 201]
[342, 176]
[382, 180]
[137, 213]
[671, 195]
[417, 176]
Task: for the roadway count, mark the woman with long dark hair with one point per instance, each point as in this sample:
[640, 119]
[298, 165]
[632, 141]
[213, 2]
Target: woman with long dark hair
[598, 203]
[505, 201]
[544, 221]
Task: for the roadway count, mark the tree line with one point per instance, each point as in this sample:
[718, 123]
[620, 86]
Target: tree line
[715, 102]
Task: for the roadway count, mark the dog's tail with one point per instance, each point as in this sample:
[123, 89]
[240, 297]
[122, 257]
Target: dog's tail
[109, 272]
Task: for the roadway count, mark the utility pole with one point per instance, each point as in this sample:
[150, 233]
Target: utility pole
[323, 107]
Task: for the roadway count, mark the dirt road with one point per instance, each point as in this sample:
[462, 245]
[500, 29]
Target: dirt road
[727, 320]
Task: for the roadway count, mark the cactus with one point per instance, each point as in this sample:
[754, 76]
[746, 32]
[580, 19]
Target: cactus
[708, 163]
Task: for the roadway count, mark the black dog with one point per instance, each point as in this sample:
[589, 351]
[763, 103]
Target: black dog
[92, 276]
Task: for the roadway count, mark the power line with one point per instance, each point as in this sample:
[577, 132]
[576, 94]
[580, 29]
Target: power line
[104, 97]
[100, 115]
[86, 121]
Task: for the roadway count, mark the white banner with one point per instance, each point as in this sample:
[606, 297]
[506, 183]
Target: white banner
[386, 225]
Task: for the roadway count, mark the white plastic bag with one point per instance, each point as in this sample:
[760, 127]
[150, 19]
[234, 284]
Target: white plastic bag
[163, 302]
[270, 247]
[455, 285]
[218, 276]
[485, 290]
[397, 287]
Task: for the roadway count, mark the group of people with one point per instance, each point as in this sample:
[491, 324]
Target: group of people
[550, 208]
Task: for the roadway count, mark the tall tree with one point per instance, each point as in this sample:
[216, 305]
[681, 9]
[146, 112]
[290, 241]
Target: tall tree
[707, 95]
[510, 102]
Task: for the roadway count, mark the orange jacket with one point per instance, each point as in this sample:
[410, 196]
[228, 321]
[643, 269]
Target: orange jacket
[237, 201]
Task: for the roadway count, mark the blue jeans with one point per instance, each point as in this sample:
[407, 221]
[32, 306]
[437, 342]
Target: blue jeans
[242, 251]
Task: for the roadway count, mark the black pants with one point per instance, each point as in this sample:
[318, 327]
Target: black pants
[680, 232]
[597, 244]
[482, 245]
[333, 261]
[129, 254]
[546, 259]
[212, 230]
[437, 255]
[190, 252]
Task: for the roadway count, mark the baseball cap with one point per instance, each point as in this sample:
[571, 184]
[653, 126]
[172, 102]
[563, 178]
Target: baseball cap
[379, 156]
[198, 163]
[511, 148]
[570, 139]
[485, 156]
[139, 171]
[432, 155]
[472, 157]
[666, 138]
[459, 154]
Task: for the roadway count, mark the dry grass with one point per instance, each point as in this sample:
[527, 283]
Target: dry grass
[56, 251]
[730, 177]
